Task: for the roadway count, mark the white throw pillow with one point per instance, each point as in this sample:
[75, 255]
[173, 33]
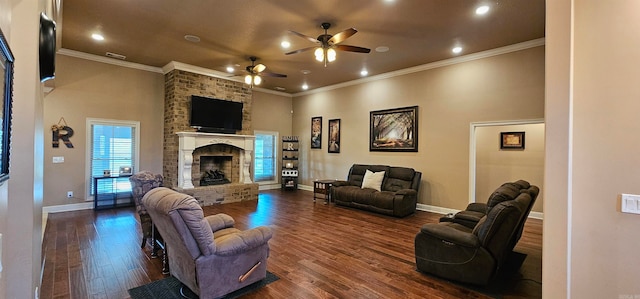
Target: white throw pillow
[373, 180]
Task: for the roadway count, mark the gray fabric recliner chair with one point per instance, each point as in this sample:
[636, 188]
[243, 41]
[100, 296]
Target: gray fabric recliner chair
[141, 183]
[207, 254]
[454, 251]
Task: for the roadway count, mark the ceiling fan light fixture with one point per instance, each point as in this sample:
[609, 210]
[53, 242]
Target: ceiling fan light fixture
[319, 53]
[248, 79]
[257, 80]
[331, 54]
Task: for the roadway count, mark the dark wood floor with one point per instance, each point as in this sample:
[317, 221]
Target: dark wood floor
[317, 250]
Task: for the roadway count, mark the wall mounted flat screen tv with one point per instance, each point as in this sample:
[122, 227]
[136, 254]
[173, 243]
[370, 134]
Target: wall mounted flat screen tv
[215, 116]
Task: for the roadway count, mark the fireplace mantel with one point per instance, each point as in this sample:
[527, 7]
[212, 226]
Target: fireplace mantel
[189, 141]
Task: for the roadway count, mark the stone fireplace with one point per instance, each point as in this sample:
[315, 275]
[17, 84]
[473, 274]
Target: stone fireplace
[213, 170]
[184, 148]
[228, 153]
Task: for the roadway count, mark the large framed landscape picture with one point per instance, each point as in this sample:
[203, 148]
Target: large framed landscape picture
[394, 130]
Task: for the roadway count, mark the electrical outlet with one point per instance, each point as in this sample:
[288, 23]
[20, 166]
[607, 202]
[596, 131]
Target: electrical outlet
[69, 194]
[630, 203]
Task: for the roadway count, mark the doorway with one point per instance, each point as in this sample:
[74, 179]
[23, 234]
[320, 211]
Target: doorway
[491, 165]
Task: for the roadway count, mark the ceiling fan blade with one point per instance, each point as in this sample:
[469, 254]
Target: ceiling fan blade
[311, 39]
[300, 50]
[339, 37]
[352, 49]
[267, 74]
[259, 68]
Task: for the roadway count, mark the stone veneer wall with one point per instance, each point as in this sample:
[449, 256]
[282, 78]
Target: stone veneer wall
[179, 85]
[221, 194]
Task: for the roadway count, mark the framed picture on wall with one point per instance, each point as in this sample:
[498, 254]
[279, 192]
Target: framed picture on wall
[334, 136]
[6, 88]
[394, 130]
[316, 132]
[512, 140]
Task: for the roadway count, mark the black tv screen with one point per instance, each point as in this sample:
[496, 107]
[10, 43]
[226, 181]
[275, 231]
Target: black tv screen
[215, 116]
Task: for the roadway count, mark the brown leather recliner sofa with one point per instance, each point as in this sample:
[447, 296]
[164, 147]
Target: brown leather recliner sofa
[398, 195]
[457, 250]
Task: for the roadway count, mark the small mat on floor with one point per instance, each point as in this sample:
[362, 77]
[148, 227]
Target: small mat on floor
[169, 288]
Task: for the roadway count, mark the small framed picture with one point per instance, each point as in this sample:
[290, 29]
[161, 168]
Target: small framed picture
[512, 140]
[316, 132]
[125, 170]
[334, 136]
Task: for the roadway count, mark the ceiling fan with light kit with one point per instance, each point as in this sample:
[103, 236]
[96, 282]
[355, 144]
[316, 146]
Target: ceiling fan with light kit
[327, 44]
[256, 71]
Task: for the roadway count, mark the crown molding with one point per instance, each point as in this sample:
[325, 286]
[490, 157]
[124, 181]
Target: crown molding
[456, 60]
[222, 75]
[174, 65]
[108, 60]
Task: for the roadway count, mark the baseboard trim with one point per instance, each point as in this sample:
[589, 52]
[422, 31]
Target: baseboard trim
[269, 186]
[434, 209]
[68, 207]
[536, 215]
[305, 187]
[444, 211]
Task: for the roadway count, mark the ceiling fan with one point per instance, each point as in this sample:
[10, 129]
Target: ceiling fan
[255, 71]
[327, 44]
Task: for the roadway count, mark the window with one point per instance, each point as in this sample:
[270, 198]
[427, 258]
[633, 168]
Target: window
[111, 144]
[265, 157]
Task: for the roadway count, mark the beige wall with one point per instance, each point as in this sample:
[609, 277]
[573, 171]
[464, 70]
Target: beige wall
[21, 195]
[271, 112]
[87, 89]
[504, 87]
[592, 128]
[5, 25]
[495, 166]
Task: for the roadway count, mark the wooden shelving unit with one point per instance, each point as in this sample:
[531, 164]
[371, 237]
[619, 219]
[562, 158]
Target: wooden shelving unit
[290, 153]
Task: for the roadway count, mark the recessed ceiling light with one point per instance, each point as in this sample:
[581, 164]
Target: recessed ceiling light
[230, 69]
[97, 37]
[363, 73]
[382, 49]
[456, 50]
[305, 86]
[285, 44]
[192, 38]
[482, 9]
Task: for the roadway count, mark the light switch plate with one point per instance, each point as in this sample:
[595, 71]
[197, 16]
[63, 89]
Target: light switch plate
[59, 159]
[630, 203]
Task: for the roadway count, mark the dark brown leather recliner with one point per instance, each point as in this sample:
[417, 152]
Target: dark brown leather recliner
[473, 255]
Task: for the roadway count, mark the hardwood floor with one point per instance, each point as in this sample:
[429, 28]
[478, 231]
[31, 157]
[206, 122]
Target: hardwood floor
[317, 250]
